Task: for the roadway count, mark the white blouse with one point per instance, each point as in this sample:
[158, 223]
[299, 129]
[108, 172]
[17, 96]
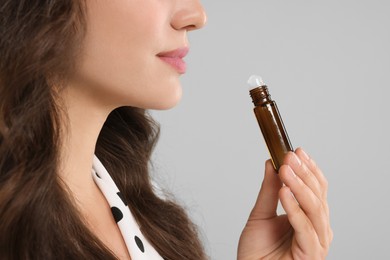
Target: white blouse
[138, 246]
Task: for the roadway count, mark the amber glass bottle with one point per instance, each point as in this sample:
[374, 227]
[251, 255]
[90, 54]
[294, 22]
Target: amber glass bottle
[271, 124]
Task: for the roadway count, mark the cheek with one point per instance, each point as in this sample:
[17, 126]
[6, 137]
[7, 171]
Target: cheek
[138, 81]
[124, 76]
[119, 65]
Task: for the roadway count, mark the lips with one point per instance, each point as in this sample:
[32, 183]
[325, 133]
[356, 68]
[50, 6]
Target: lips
[174, 58]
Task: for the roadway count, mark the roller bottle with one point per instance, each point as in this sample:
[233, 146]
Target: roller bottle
[270, 121]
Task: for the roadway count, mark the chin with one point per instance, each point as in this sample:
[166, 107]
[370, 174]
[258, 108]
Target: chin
[164, 101]
[168, 102]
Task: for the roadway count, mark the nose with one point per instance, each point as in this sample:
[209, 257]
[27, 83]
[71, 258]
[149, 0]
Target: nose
[189, 15]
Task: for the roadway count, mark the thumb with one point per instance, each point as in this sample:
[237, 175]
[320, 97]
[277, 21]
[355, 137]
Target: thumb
[267, 201]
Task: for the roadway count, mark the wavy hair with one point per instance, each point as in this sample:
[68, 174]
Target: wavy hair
[39, 44]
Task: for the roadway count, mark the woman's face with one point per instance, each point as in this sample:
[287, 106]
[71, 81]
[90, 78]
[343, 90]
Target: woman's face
[133, 50]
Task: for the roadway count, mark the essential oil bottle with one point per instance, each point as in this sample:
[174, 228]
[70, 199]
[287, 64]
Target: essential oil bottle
[270, 121]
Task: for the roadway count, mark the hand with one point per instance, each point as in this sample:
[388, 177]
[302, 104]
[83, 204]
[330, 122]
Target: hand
[304, 233]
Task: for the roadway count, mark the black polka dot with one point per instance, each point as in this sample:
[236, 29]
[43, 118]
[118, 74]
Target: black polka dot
[117, 213]
[122, 198]
[98, 175]
[139, 244]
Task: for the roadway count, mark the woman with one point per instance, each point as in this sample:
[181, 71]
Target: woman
[76, 78]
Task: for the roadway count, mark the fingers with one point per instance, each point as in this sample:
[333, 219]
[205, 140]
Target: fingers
[311, 164]
[267, 201]
[316, 171]
[298, 164]
[299, 174]
[303, 228]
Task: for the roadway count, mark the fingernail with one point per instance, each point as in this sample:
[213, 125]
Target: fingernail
[305, 154]
[290, 171]
[296, 159]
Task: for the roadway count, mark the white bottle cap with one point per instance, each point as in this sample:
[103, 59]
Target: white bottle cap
[255, 81]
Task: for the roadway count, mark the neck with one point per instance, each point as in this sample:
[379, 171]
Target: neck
[84, 121]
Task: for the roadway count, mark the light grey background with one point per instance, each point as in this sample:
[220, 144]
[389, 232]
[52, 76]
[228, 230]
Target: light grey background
[327, 64]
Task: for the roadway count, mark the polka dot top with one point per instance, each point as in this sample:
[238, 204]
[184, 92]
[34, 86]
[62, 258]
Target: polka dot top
[138, 246]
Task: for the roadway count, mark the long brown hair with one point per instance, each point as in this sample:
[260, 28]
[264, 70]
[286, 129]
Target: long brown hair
[39, 44]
